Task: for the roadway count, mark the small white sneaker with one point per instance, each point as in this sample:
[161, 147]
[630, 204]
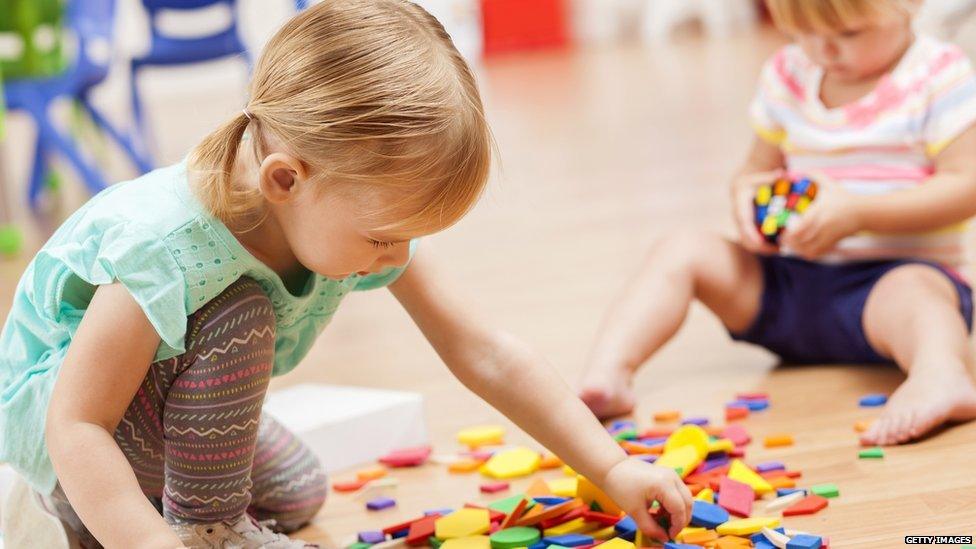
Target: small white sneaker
[243, 533]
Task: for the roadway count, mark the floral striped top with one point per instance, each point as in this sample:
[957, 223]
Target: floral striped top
[883, 142]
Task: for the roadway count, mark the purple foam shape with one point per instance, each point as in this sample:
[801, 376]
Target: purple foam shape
[700, 421]
[372, 536]
[380, 503]
[649, 458]
[770, 466]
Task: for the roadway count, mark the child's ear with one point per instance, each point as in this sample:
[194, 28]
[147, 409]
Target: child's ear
[280, 173]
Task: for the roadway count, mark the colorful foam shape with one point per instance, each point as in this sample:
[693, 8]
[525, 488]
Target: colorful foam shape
[708, 515]
[735, 497]
[518, 536]
[739, 471]
[871, 401]
[591, 493]
[747, 526]
[467, 542]
[807, 506]
[805, 541]
[463, 523]
[516, 462]
[482, 435]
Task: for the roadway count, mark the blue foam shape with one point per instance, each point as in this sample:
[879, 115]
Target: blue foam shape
[763, 544]
[805, 541]
[780, 492]
[870, 401]
[539, 545]
[623, 424]
[770, 466]
[626, 528]
[400, 533]
[676, 545]
[708, 515]
[569, 540]
[649, 458]
[550, 500]
[442, 512]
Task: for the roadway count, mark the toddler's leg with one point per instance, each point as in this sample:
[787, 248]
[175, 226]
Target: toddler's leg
[213, 407]
[289, 483]
[679, 269]
[912, 316]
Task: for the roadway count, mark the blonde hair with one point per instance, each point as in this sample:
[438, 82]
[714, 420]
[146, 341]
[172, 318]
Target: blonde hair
[833, 15]
[365, 92]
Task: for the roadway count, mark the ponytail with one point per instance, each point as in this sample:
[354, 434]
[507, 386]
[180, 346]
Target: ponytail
[213, 159]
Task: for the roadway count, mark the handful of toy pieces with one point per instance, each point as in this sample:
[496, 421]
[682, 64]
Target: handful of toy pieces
[775, 204]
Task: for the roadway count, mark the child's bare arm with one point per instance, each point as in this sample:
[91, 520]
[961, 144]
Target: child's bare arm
[107, 360]
[948, 197]
[519, 383]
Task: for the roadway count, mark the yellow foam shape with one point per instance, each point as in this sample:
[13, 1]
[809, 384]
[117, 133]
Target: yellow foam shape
[468, 542]
[688, 530]
[685, 458]
[741, 472]
[568, 471]
[563, 487]
[517, 462]
[747, 527]
[604, 533]
[617, 543]
[589, 493]
[720, 445]
[706, 495]
[688, 435]
[575, 526]
[463, 523]
[482, 435]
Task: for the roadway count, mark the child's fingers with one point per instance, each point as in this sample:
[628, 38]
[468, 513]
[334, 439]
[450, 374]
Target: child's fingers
[674, 504]
[647, 525]
[685, 493]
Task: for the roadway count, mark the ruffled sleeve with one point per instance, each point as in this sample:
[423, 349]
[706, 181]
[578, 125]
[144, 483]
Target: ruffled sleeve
[778, 88]
[124, 253]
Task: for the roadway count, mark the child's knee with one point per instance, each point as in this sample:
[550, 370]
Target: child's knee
[242, 311]
[686, 251]
[915, 285]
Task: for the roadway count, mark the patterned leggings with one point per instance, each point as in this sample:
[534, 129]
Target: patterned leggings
[194, 433]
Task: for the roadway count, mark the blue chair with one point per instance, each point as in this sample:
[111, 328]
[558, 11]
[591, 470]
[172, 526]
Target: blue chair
[92, 23]
[301, 4]
[168, 50]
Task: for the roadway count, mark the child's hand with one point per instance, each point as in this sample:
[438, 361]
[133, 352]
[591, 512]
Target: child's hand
[634, 485]
[743, 202]
[832, 216]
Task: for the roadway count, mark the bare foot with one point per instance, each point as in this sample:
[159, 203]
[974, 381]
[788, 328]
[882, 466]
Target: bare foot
[931, 396]
[607, 393]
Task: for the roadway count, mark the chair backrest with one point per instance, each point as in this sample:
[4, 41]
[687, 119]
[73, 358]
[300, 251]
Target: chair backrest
[155, 5]
[93, 24]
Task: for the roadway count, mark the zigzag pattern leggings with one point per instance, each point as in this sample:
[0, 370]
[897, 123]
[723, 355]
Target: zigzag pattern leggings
[194, 433]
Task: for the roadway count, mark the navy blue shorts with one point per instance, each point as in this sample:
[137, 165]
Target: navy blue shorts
[811, 312]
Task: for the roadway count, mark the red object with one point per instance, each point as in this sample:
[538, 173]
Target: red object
[602, 518]
[492, 487]
[752, 396]
[421, 530]
[493, 515]
[350, 486]
[737, 434]
[735, 497]
[514, 25]
[403, 525]
[736, 412]
[515, 514]
[407, 457]
[806, 506]
[565, 517]
[738, 452]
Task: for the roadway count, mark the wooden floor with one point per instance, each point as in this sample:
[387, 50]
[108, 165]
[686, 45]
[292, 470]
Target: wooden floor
[600, 153]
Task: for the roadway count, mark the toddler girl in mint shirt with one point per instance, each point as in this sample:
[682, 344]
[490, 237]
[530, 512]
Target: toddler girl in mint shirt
[142, 337]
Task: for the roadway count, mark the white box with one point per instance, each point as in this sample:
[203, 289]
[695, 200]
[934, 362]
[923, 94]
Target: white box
[348, 426]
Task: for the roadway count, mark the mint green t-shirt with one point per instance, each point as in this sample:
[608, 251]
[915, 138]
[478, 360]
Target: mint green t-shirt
[153, 236]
